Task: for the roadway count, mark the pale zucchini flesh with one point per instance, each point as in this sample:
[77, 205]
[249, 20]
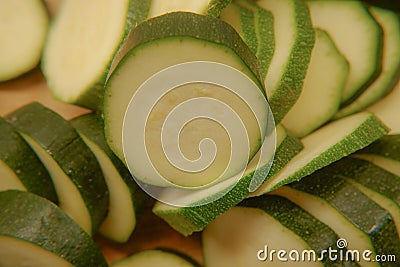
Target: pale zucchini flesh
[327, 214]
[387, 109]
[322, 90]
[294, 41]
[390, 74]
[22, 36]
[357, 35]
[326, 145]
[75, 72]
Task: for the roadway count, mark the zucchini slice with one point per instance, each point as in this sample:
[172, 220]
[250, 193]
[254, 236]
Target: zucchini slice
[206, 7]
[385, 153]
[220, 44]
[246, 235]
[368, 177]
[294, 41]
[20, 168]
[326, 145]
[322, 89]
[357, 35]
[76, 174]
[125, 196]
[243, 21]
[387, 108]
[390, 74]
[155, 258]
[264, 29]
[76, 72]
[354, 206]
[22, 36]
[36, 233]
[187, 220]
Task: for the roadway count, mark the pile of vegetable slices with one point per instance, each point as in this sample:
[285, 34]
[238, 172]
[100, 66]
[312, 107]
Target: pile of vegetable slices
[329, 69]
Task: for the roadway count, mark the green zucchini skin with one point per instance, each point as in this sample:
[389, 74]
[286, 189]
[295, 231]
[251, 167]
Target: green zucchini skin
[187, 220]
[33, 219]
[92, 126]
[388, 146]
[190, 25]
[61, 141]
[361, 211]
[22, 160]
[370, 176]
[315, 233]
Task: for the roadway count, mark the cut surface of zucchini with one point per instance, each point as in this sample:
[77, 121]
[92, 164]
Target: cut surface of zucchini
[156, 257]
[326, 145]
[387, 108]
[357, 35]
[125, 196]
[206, 7]
[74, 71]
[20, 168]
[294, 41]
[34, 232]
[390, 74]
[187, 220]
[76, 174]
[322, 90]
[22, 36]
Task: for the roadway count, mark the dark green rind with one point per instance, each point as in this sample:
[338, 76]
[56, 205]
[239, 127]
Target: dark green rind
[370, 176]
[291, 83]
[247, 22]
[33, 219]
[92, 126]
[264, 27]
[187, 220]
[315, 233]
[356, 207]
[387, 146]
[22, 160]
[61, 141]
[190, 25]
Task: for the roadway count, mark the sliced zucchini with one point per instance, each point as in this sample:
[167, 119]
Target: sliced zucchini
[187, 220]
[20, 168]
[36, 233]
[206, 7]
[354, 206]
[357, 35]
[76, 72]
[76, 174]
[22, 36]
[385, 153]
[247, 234]
[326, 145]
[368, 177]
[386, 109]
[221, 79]
[264, 29]
[125, 196]
[322, 89]
[243, 21]
[157, 257]
[390, 74]
[294, 41]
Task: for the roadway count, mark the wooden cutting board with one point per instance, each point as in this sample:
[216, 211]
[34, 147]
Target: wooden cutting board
[151, 232]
